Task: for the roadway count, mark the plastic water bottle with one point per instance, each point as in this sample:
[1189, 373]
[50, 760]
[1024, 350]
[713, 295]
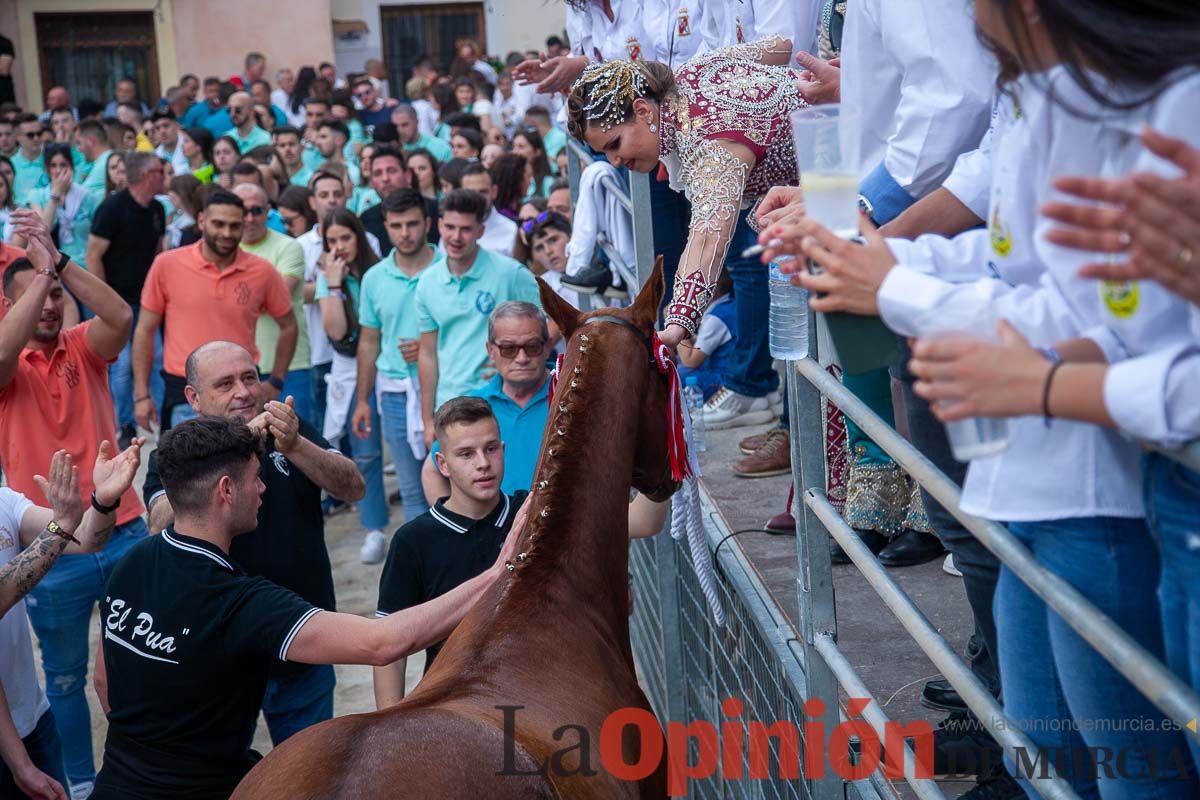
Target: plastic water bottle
[694, 397]
[787, 323]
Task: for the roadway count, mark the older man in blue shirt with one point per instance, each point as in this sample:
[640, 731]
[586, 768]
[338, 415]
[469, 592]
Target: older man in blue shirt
[519, 394]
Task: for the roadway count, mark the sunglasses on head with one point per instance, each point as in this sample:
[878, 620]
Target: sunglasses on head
[529, 224]
[532, 349]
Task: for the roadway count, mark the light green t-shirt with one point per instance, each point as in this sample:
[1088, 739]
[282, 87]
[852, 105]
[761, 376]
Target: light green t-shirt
[458, 309]
[388, 301]
[301, 176]
[554, 140]
[287, 256]
[257, 137]
[29, 175]
[439, 149]
[72, 238]
[364, 197]
[94, 182]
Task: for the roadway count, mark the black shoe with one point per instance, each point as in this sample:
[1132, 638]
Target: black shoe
[874, 540]
[394, 498]
[1002, 787]
[125, 437]
[941, 695]
[962, 746]
[618, 290]
[911, 548]
[593, 279]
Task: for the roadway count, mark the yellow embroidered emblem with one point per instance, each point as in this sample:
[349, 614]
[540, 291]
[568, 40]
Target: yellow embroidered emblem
[1120, 297]
[999, 234]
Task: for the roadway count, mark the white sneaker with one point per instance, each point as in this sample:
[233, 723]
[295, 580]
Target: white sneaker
[949, 568]
[82, 791]
[374, 547]
[728, 409]
[389, 468]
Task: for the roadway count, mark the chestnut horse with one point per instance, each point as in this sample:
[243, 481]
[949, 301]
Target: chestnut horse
[550, 637]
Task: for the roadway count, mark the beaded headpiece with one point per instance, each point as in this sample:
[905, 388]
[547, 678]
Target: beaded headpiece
[614, 86]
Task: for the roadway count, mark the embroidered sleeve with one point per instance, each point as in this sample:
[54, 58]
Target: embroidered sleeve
[713, 179]
[774, 51]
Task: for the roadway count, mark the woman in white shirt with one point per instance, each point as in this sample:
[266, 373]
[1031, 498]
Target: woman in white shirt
[1070, 491]
[1154, 396]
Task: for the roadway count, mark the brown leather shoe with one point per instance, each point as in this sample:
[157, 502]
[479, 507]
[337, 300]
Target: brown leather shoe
[752, 443]
[773, 458]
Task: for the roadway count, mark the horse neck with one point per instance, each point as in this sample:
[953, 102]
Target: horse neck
[579, 518]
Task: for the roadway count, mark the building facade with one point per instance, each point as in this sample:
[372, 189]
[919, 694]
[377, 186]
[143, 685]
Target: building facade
[88, 45]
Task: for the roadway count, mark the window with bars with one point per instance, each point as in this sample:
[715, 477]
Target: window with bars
[432, 29]
[89, 53]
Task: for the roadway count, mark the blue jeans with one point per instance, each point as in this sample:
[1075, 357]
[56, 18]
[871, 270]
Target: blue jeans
[1064, 695]
[298, 384]
[368, 455]
[302, 695]
[182, 413]
[408, 468]
[317, 375]
[120, 376]
[750, 372]
[60, 608]
[1172, 493]
[45, 751]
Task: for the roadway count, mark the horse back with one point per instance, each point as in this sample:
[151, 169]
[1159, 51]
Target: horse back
[398, 753]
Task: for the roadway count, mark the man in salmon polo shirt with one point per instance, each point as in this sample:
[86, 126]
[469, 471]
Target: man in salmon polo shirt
[54, 395]
[206, 291]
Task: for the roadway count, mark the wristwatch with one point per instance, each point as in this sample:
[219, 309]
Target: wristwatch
[275, 381]
[63, 260]
[58, 531]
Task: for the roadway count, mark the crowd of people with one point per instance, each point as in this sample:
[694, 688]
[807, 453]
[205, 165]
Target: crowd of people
[279, 279]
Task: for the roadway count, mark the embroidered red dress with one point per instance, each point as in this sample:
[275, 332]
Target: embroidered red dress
[733, 95]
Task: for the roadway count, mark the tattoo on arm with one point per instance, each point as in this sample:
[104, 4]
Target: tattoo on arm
[21, 574]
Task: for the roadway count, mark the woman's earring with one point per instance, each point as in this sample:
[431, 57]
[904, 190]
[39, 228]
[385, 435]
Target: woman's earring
[653, 127]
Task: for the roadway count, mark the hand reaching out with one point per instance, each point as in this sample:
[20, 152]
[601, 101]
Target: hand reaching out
[283, 423]
[62, 491]
[113, 475]
[821, 81]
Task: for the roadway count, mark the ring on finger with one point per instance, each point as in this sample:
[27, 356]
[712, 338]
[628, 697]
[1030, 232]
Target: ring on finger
[1184, 259]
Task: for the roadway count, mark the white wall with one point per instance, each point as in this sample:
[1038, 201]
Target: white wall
[510, 25]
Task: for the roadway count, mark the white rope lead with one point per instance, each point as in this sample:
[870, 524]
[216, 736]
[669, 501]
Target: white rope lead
[685, 518]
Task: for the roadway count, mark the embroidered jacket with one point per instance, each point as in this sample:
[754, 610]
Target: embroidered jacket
[733, 95]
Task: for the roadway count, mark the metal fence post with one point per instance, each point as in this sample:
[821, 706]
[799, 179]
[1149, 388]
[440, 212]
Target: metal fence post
[666, 555]
[814, 573]
[643, 228]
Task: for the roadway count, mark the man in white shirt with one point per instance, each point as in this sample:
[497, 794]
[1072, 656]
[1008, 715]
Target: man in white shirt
[499, 232]
[328, 193]
[170, 147]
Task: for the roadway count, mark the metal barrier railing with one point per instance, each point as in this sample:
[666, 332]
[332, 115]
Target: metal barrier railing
[688, 666]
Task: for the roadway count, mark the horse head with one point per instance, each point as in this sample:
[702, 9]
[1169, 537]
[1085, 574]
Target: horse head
[621, 343]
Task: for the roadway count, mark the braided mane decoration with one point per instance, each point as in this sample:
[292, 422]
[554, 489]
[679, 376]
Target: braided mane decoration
[614, 86]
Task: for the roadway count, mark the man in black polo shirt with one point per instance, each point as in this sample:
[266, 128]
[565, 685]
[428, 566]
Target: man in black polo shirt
[389, 172]
[189, 638]
[288, 546]
[456, 539]
[127, 233]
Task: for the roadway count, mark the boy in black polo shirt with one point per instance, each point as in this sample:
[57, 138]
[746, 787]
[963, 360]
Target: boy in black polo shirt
[456, 539]
[189, 639]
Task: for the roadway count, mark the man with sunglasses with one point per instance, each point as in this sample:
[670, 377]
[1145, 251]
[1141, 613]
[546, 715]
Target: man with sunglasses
[285, 254]
[519, 395]
[27, 161]
[373, 108]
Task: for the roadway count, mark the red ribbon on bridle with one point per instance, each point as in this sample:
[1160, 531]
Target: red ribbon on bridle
[677, 447]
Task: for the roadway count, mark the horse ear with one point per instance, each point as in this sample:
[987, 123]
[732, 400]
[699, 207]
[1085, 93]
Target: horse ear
[565, 315]
[645, 307]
